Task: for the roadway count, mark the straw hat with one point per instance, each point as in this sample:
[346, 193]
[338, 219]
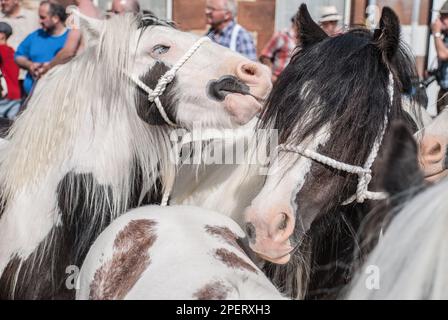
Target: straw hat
[329, 13]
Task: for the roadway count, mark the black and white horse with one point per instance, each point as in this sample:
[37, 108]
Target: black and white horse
[334, 106]
[94, 140]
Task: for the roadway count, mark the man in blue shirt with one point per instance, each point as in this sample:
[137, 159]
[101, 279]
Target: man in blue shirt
[41, 46]
[224, 30]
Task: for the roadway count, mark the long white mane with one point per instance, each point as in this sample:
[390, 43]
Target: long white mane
[82, 118]
[411, 260]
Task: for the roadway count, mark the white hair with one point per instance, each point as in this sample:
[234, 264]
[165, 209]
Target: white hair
[232, 6]
[411, 261]
[81, 119]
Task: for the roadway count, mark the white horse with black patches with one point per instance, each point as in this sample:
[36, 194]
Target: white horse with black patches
[176, 252]
[411, 260]
[90, 146]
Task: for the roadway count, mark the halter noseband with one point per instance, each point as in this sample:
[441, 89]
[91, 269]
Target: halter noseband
[167, 78]
[364, 173]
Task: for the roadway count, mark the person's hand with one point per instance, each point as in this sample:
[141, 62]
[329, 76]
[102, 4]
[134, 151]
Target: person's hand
[34, 69]
[437, 26]
[43, 69]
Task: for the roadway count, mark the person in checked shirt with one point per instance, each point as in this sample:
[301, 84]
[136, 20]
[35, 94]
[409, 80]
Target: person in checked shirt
[225, 31]
[278, 51]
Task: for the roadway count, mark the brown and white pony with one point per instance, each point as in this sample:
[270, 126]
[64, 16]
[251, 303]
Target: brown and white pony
[172, 253]
[90, 146]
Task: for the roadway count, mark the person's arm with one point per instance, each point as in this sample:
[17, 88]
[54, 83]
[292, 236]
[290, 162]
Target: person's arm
[32, 67]
[66, 53]
[21, 57]
[268, 52]
[442, 50]
[267, 55]
[69, 50]
[23, 62]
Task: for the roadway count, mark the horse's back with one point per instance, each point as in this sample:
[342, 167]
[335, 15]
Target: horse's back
[170, 253]
[411, 260]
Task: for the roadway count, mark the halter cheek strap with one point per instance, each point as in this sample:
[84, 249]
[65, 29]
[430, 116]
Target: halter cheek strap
[165, 80]
[364, 173]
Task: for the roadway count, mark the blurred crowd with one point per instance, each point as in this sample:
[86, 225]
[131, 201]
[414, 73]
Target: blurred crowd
[31, 43]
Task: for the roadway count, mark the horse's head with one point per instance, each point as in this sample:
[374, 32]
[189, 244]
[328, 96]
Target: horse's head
[211, 85]
[433, 148]
[333, 99]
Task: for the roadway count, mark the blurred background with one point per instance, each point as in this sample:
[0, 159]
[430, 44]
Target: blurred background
[263, 17]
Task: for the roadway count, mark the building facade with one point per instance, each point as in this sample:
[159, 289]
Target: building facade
[263, 17]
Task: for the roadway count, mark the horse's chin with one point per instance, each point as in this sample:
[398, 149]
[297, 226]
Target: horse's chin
[242, 108]
[282, 254]
[281, 261]
[435, 177]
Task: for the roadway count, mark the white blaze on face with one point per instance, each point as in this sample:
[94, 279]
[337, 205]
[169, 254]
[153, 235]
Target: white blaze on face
[272, 212]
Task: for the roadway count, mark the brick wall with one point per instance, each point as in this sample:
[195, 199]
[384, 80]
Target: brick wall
[257, 16]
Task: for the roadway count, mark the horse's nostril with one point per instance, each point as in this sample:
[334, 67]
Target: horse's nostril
[250, 231]
[284, 222]
[435, 149]
[250, 71]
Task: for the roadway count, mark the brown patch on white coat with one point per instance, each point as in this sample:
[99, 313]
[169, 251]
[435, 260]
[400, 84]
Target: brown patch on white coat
[115, 278]
[232, 260]
[213, 291]
[225, 234]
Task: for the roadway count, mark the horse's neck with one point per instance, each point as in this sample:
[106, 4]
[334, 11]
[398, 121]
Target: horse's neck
[224, 188]
[103, 153]
[217, 188]
[419, 114]
[334, 247]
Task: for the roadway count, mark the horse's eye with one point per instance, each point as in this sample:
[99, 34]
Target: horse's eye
[160, 49]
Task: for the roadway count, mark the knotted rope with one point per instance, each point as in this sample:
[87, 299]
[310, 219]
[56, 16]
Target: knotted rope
[165, 80]
[364, 173]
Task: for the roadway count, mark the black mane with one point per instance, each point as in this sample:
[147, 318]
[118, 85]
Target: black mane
[342, 82]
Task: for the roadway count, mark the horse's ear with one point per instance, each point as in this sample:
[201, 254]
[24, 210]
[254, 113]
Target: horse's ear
[387, 37]
[310, 33]
[401, 169]
[90, 28]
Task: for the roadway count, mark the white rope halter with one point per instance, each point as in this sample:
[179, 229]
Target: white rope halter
[167, 78]
[364, 173]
